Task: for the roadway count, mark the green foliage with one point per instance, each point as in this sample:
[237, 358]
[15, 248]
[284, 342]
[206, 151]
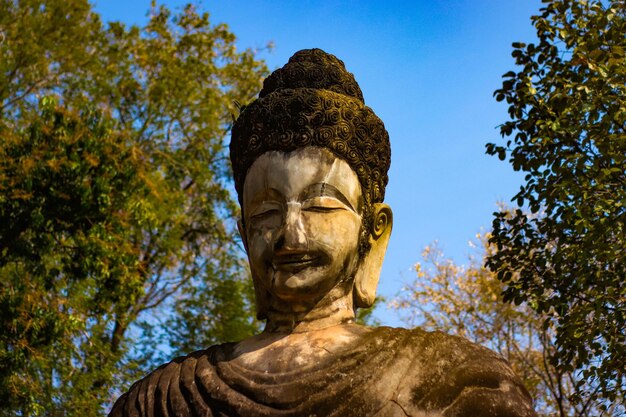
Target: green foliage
[567, 260]
[67, 262]
[116, 218]
[213, 311]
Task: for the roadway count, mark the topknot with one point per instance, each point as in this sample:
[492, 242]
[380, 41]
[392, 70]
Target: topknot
[313, 68]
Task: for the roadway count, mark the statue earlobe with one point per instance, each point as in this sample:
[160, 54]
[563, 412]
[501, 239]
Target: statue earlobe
[368, 273]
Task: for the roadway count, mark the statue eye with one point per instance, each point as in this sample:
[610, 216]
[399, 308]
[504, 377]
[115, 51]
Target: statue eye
[323, 204]
[266, 210]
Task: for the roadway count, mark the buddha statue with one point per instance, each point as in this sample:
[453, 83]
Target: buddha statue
[310, 164]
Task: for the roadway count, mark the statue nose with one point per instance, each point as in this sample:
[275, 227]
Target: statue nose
[293, 236]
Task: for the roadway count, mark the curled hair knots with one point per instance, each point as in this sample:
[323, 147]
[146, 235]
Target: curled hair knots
[313, 68]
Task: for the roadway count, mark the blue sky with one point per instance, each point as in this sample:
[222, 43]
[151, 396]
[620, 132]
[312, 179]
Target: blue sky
[428, 69]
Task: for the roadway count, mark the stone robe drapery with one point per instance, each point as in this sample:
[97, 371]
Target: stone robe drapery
[388, 372]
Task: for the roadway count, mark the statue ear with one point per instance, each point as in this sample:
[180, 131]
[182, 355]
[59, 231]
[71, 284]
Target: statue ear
[260, 294]
[368, 273]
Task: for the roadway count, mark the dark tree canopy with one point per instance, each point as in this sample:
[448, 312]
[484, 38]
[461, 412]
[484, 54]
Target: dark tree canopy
[564, 250]
[116, 220]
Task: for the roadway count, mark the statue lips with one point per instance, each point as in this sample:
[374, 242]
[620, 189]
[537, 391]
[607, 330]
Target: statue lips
[295, 261]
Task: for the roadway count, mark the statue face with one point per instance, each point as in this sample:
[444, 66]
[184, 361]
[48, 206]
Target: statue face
[302, 222]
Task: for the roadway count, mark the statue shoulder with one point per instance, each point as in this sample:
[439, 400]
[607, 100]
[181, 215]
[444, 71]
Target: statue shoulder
[459, 377]
[397, 372]
[171, 389]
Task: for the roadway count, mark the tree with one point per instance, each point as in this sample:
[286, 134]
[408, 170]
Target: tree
[67, 184]
[116, 218]
[467, 301]
[567, 108]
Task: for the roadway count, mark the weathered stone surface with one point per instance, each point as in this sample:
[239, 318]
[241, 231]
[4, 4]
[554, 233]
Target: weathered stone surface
[373, 372]
[311, 167]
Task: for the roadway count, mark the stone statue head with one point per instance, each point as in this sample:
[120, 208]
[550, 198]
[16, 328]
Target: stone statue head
[310, 163]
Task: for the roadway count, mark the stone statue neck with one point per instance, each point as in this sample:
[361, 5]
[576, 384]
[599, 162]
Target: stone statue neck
[328, 312]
